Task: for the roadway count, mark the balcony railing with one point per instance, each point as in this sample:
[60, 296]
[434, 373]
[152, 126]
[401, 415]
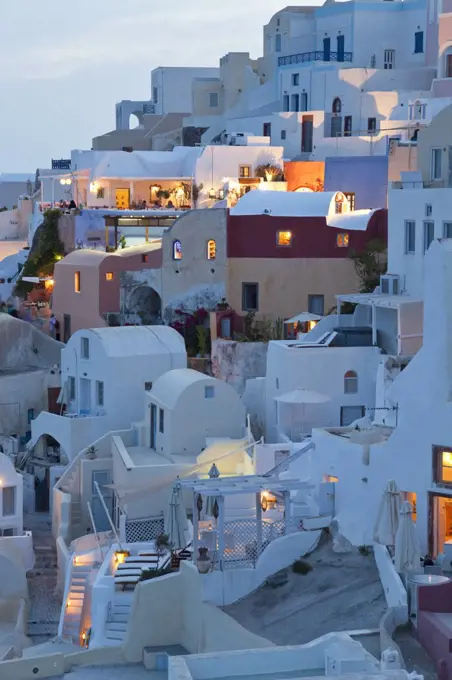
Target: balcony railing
[319, 55]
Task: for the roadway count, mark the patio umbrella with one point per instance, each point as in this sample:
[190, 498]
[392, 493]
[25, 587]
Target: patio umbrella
[387, 522]
[176, 519]
[212, 501]
[407, 551]
[302, 397]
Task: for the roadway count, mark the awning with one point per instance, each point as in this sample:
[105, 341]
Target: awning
[304, 317]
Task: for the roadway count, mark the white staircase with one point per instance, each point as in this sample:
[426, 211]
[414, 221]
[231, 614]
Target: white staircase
[118, 618]
[74, 602]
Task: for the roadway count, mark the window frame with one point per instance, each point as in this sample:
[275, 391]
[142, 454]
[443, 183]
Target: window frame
[437, 465]
[351, 379]
[295, 102]
[343, 239]
[388, 60]
[408, 235]
[279, 234]
[283, 135]
[109, 276]
[372, 125]
[445, 225]
[246, 308]
[84, 345]
[72, 388]
[243, 170]
[348, 126]
[295, 79]
[426, 225]
[416, 42]
[436, 152]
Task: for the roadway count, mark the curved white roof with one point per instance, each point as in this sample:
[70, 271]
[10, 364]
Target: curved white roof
[168, 388]
[358, 220]
[130, 341]
[286, 203]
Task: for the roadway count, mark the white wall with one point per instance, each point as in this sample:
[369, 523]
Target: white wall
[321, 370]
[10, 478]
[174, 87]
[20, 392]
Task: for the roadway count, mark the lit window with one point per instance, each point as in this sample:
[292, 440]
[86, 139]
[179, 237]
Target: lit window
[350, 196]
[177, 250]
[85, 348]
[109, 276]
[209, 392]
[245, 171]
[211, 250]
[342, 240]
[77, 282]
[100, 392]
[284, 238]
[339, 207]
[442, 465]
[350, 382]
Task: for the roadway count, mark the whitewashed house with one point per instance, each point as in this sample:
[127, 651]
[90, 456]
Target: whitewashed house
[105, 373]
[11, 499]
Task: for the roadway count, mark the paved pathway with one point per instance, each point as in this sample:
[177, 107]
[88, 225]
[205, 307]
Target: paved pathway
[45, 604]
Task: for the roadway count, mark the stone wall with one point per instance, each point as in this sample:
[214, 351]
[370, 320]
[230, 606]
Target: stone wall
[236, 362]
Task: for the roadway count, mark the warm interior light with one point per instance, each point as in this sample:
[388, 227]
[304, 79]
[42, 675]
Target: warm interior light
[447, 458]
[284, 238]
[312, 324]
[93, 187]
[109, 276]
[48, 283]
[120, 556]
[68, 603]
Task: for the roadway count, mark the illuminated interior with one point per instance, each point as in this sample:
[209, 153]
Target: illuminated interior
[442, 522]
[446, 466]
[211, 249]
[284, 238]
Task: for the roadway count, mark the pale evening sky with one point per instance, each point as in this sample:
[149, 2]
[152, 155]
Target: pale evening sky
[63, 66]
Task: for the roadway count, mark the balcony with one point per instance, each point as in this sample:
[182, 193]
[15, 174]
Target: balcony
[305, 57]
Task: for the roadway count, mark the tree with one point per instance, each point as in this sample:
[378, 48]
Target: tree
[370, 264]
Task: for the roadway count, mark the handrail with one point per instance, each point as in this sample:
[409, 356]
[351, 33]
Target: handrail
[315, 55]
[110, 521]
[96, 535]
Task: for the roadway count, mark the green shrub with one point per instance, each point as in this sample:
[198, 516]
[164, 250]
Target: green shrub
[149, 574]
[301, 567]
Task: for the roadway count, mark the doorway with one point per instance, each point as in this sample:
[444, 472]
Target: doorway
[66, 328]
[153, 425]
[123, 199]
[440, 521]
[85, 396]
[307, 128]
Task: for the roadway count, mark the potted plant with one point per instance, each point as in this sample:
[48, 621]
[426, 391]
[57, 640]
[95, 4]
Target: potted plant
[91, 452]
[162, 544]
[204, 562]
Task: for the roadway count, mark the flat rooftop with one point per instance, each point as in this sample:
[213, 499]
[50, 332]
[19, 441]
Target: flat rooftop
[143, 456]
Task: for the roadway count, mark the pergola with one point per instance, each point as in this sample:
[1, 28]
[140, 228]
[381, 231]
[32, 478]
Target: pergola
[124, 219]
[220, 488]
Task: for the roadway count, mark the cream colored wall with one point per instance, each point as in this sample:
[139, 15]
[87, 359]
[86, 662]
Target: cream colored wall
[175, 602]
[201, 90]
[402, 159]
[284, 285]
[436, 135]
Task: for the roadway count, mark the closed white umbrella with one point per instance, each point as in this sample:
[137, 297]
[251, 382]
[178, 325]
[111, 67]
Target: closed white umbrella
[212, 501]
[387, 522]
[176, 519]
[407, 550]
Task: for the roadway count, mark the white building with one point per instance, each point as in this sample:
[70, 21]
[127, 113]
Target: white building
[11, 499]
[105, 373]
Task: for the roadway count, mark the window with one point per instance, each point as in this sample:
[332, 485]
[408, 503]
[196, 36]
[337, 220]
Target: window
[9, 501]
[337, 105]
[284, 238]
[437, 157]
[211, 249]
[148, 386]
[278, 22]
[389, 60]
[30, 415]
[447, 229]
[449, 66]
[283, 134]
[250, 297]
[326, 49]
[347, 126]
[278, 42]
[428, 209]
[340, 47]
[342, 240]
[371, 126]
[100, 192]
[350, 196]
[286, 102]
[429, 234]
[161, 420]
[303, 101]
[209, 392]
[418, 42]
[316, 304]
[85, 348]
[145, 258]
[295, 79]
[109, 276]
[267, 130]
[71, 388]
[244, 171]
[100, 392]
[339, 204]
[410, 236]
[351, 413]
[417, 111]
[350, 382]
[177, 250]
[77, 282]
[213, 100]
[442, 465]
[295, 102]
[155, 95]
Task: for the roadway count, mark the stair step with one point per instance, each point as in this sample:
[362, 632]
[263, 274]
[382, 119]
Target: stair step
[119, 619]
[117, 627]
[115, 636]
[75, 596]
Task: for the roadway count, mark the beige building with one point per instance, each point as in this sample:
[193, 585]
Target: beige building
[435, 150]
[158, 133]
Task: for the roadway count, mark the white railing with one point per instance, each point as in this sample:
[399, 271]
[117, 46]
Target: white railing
[67, 587]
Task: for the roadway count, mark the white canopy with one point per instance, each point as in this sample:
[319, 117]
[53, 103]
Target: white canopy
[387, 522]
[407, 550]
[302, 396]
[303, 317]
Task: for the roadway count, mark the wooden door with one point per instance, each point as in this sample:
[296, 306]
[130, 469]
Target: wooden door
[123, 199]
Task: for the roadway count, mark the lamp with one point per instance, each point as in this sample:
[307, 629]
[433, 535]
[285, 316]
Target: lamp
[93, 187]
[212, 193]
[120, 556]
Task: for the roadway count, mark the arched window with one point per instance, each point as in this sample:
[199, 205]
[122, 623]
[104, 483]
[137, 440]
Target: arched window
[350, 382]
[177, 250]
[211, 249]
[337, 105]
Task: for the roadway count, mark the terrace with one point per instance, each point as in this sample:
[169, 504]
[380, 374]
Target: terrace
[318, 55]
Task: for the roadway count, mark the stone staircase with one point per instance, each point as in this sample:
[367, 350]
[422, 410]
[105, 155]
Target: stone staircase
[74, 602]
[118, 618]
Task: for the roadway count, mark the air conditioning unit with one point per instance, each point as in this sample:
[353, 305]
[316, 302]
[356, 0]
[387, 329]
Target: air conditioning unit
[390, 284]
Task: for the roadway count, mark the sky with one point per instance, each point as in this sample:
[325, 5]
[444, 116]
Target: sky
[63, 66]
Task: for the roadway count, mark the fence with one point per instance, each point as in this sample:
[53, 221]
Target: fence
[140, 530]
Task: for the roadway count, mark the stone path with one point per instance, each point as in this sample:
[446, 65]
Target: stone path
[45, 604]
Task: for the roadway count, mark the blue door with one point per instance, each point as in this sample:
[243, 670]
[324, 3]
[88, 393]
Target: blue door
[340, 47]
[326, 49]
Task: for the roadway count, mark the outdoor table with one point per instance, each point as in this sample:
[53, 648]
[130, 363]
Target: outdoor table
[417, 580]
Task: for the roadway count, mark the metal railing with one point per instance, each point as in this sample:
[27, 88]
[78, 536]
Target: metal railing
[318, 55]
